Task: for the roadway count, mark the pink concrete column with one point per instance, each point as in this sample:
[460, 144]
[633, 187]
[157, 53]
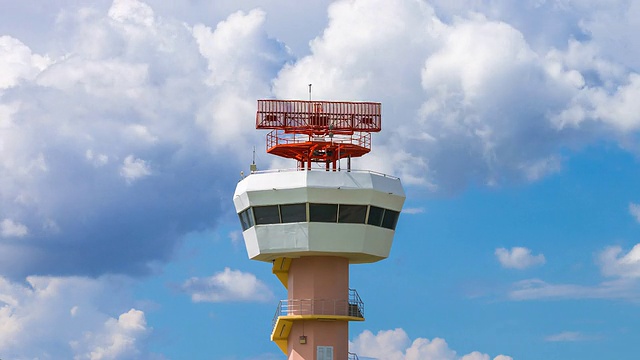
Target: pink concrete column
[319, 285]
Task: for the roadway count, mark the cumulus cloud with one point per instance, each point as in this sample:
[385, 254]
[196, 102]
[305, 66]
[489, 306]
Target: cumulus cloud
[396, 345]
[613, 262]
[96, 159]
[117, 340]
[244, 72]
[473, 94]
[136, 12]
[125, 97]
[623, 269]
[10, 228]
[18, 63]
[228, 285]
[479, 100]
[96, 324]
[518, 258]
[133, 169]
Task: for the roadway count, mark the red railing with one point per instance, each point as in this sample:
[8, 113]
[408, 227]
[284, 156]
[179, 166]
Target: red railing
[312, 117]
[280, 137]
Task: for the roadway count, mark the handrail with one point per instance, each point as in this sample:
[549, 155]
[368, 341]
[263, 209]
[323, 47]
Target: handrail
[373, 172]
[280, 137]
[353, 356]
[353, 307]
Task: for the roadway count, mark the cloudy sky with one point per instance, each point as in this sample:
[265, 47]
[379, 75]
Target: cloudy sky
[514, 126]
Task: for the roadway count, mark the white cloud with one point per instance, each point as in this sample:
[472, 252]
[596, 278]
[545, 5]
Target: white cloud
[624, 268]
[362, 37]
[235, 236]
[518, 258]
[475, 356]
[10, 228]
[70, 318]
[540, 168]
[137, 132]
[132, 11]
[451, 68]
[112, 77]
[532, 289]
[473, 112]
[634, 210]
[96, 159]
[469, 97]
[503, 357]
[609, 27]
[616, 108]
[134, 169]
[613, 262]
[219, 47]
[18, 63]
[396, 345]
[495, 103]
[118, 339]
[125, 95]
[569, 336]
[412, 211]
[228, 285]
[240, 73]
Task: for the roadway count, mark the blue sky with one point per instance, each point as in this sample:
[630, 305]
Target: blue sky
[514, 127]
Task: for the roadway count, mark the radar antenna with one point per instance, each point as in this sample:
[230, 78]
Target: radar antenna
[318, 131]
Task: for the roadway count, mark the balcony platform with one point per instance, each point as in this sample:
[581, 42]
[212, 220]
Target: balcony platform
[292, 310]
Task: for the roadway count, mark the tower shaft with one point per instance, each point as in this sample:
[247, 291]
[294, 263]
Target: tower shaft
[320, 286]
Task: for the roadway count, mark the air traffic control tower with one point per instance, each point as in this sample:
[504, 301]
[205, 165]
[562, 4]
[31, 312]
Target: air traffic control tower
[313, 221]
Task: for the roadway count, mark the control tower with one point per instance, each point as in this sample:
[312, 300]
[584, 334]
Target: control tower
[313, 221]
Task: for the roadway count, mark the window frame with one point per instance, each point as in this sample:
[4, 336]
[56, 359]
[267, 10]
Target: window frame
[259, 218]
[373, 221]
[390, 219]
[323, 217]
[342, 217]
[246, 218]
[304, 213]
[373, 215]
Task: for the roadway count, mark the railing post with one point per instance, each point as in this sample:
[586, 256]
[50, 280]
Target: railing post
[353, 307]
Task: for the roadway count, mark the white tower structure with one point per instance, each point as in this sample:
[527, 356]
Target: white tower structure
[313, 222]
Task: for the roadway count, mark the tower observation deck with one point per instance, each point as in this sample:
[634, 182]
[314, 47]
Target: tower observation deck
[312, 222]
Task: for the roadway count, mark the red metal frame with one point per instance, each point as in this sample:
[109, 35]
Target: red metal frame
[315, 117]
[318, 131]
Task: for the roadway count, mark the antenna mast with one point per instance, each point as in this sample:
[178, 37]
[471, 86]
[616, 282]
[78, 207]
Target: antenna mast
[253, 167]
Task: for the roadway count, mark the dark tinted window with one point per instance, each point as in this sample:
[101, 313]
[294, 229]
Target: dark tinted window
[390, 219]
[353, 214]
[245, 219]
[266, 214]
[323, 212]
[249, 215]
[293, 213]
[375, 215]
